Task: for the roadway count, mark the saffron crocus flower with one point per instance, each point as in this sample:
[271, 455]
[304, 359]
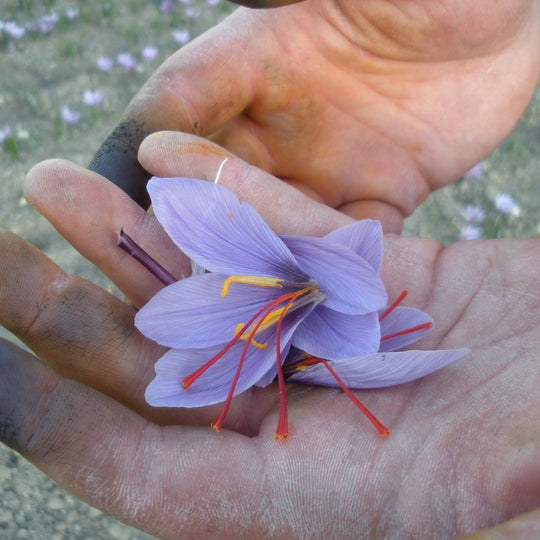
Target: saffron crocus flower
[506, 204]
[230, 329]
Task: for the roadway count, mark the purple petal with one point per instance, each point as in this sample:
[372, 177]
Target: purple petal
[379, 370]
[332, 335]
[364, 237]
[350, 283]
[401, 319]
[222, 234]
[191, 313]
[259, 368]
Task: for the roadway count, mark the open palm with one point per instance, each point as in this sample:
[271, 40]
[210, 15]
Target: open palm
[367, 106]
[464, 451]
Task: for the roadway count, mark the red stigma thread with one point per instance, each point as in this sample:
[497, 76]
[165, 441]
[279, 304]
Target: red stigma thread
[408, 331]
[394, 305]
[260, 317]
[312, 360]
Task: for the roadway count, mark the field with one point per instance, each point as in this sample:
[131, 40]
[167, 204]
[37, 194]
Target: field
[68, 70]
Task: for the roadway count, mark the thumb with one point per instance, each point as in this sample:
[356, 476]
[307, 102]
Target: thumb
[196, 90]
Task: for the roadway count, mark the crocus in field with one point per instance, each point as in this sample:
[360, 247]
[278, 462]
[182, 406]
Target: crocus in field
[232, 327]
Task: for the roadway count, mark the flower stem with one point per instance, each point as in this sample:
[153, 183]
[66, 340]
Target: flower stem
[137, 252]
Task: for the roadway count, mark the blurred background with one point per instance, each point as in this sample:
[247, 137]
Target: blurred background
[67, 71]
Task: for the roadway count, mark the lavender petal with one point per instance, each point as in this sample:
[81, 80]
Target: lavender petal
[210, 225]
[191, 313]
[379, 370]
[166, 390]
[350, 283]
[332, 335]
[364, 237]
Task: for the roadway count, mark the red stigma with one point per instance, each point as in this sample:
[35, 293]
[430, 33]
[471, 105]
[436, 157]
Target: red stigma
[257, 321]
[394, 305]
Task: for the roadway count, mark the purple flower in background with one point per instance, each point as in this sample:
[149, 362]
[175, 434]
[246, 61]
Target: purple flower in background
[229, 329]
[473, 214]
[13, 30]
[192, 12]
[470, 232]
[476, 172]
[149, 52]
[47, 22]
[126, 61]
[92, 98]
[506, 204]
[69, 116]
[181, 36]
[5, 133]
[104, 63]
[71, 13]
[166, 6]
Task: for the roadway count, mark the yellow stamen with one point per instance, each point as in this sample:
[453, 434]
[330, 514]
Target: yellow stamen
[251, 280]
[239, 328]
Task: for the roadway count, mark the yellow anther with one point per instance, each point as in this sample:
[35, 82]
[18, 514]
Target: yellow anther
[251, 280]
[239, 328]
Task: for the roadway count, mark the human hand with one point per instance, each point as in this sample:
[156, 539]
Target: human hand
[365, 106]
[464, 449]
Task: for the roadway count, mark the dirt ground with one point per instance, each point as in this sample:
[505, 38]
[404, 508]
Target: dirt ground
[51, 67]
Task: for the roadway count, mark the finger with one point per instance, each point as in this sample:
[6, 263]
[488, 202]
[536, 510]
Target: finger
[115, 460]
[80, 330]
[61, 192]
[87, 334]
[197, 89]
[391, 218]
[286, 209]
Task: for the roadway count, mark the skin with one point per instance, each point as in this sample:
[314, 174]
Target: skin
[367, 106]
[464, 452]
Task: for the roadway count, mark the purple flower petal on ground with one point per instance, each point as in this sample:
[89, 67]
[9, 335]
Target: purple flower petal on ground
[104, 63]
[126, 61]
[69, 116]
[473, 214]
[471, 232]
[92, 98]
[506, 204]
[181, 36]
[149, 52]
